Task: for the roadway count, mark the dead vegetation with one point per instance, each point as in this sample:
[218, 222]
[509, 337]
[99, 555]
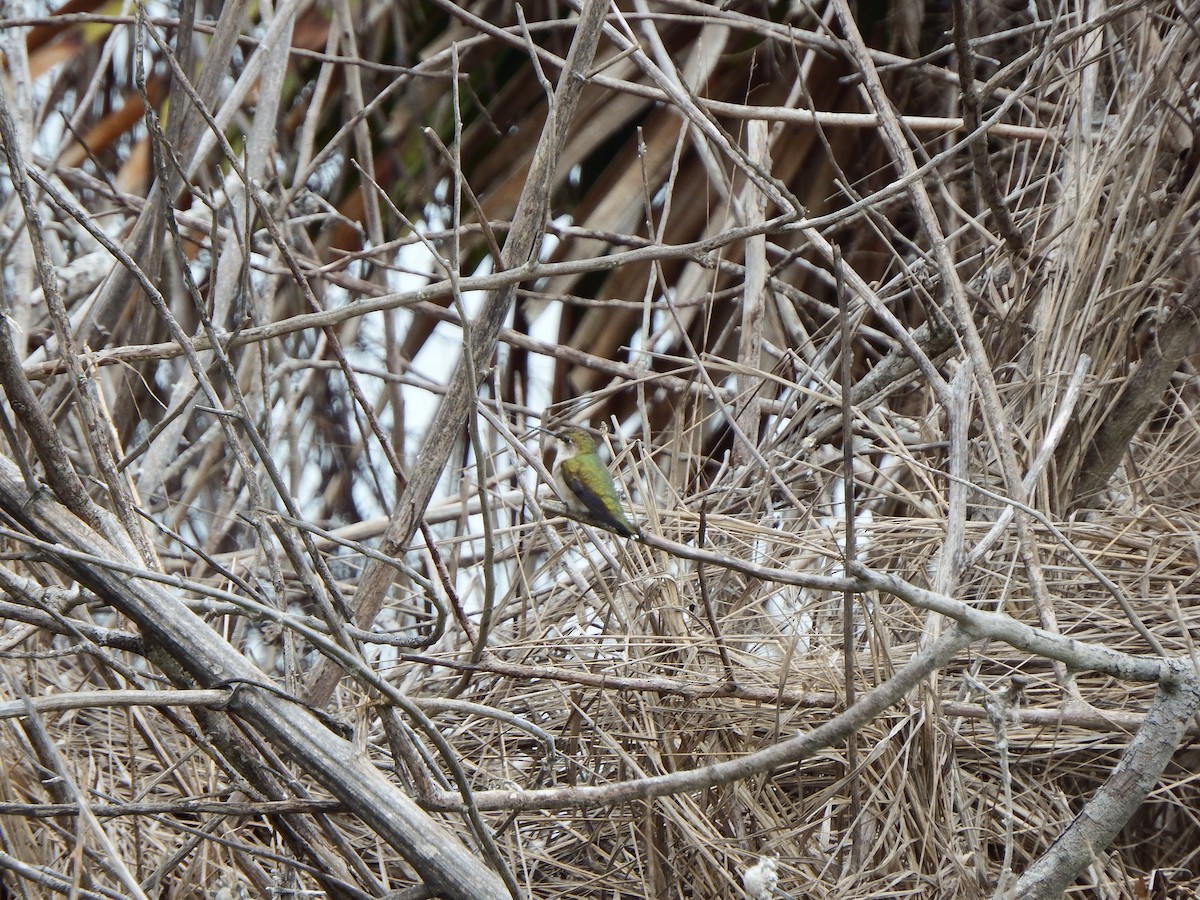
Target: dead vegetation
[240, 243]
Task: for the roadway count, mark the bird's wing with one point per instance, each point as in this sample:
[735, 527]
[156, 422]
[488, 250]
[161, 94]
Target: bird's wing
[570, 471]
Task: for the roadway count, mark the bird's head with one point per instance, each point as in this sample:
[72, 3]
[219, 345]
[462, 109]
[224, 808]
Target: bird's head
[575, 440]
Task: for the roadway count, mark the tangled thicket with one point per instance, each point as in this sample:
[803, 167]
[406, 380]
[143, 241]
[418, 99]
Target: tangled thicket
[240, 245]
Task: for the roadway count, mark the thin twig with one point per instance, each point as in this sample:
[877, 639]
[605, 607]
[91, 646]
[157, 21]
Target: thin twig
[850, 552]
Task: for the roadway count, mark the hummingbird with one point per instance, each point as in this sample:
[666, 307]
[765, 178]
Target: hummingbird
[585, 484]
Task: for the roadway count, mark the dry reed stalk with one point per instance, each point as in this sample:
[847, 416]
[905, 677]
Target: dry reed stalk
[629, 718]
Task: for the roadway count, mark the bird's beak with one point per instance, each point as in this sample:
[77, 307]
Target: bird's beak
[536, 429]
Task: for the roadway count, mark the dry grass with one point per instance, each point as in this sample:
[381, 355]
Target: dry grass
[598, 662]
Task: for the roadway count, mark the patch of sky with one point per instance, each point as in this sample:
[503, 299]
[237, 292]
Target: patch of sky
[659, 200]
[663, 325]
[322, 179]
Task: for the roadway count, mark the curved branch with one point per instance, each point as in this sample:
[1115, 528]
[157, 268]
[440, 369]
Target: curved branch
[1102, 817]
[436, 854]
